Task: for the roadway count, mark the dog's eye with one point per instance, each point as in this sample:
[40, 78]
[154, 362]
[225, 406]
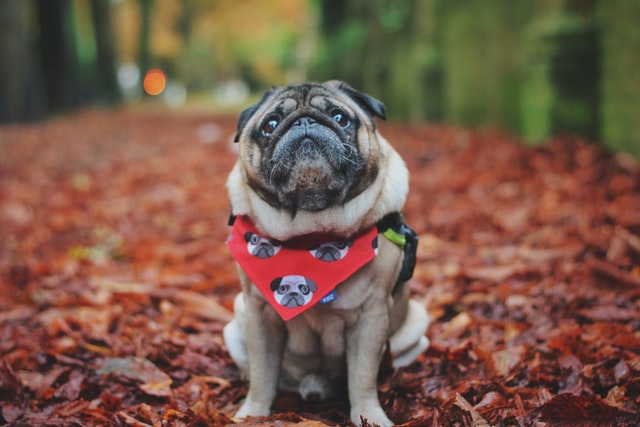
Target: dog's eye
[269, 126]
[304, 289]
[283, 289]
[341, 118]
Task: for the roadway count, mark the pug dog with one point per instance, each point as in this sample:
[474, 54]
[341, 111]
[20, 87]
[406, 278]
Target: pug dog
[312, 162]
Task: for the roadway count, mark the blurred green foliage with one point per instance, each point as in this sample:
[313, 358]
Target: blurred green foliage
[534, 68]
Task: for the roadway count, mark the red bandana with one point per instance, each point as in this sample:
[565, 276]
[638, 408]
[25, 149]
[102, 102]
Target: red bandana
[294, 279]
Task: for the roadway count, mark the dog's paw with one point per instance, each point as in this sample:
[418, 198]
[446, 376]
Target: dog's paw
[373, 415]
[253, 409]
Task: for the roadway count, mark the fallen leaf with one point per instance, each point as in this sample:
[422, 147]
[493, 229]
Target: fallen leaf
[570, 410]
[153, 380]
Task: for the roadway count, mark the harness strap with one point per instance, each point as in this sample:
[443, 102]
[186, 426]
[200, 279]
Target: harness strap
[397, 231]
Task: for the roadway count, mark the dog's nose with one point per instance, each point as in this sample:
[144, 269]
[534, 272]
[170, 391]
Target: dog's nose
[305, 122]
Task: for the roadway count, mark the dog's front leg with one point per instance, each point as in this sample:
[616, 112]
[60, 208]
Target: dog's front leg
[365, 343]
[265, 343]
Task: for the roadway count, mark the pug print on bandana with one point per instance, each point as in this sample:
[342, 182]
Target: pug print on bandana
[295, 278]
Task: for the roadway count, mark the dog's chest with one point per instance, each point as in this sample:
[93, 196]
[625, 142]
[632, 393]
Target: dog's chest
[319, 332]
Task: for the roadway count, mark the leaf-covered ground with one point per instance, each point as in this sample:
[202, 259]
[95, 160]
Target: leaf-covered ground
[115, 281]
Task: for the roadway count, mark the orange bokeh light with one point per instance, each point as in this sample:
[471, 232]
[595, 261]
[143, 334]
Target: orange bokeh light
[154, 81]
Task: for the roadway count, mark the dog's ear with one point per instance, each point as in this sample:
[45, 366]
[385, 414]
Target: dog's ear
[370, 104]
[247, 236]
[275, 283]
[311, 284]
[246, 114]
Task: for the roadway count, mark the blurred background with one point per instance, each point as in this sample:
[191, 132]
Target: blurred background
[532, 68]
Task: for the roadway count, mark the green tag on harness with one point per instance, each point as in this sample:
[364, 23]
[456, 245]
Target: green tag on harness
[396, 231]
[395, 237]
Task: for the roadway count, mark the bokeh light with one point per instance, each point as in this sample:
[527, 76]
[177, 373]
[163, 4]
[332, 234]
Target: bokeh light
[154, 81]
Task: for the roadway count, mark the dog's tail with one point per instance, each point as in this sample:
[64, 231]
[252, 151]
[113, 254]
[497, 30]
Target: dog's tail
[408, 342]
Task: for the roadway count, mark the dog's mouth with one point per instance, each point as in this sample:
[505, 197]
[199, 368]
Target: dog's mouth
[312, 168]
[328, 254]
[264, 251]
[293, 300]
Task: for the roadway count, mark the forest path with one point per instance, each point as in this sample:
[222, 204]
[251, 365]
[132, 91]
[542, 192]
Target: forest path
[115, 280]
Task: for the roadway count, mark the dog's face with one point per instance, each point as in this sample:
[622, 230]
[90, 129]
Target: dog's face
[331, 251]
[293, 291]
[261, 247]
[310, 146]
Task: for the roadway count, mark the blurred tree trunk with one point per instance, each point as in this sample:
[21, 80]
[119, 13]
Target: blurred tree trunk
[21, 93]
[145, 29]
[332, 16]
[426, 63]
[620, 110]
[481, 61]
[106, 56]
[388, 49]
[344, 31]
[560, 78]
[57, 52]
[185, 25]
[411, 79]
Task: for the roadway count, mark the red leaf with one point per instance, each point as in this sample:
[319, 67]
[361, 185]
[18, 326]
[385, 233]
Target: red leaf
[570, 410]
